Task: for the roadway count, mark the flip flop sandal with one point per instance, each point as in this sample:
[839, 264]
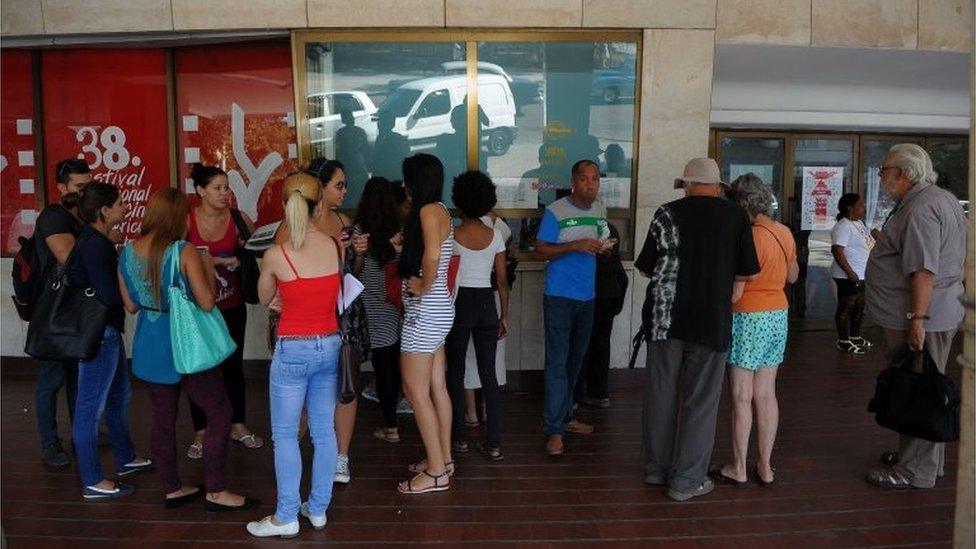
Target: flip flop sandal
[888, 480]
[437, 487]
[416, 467]
[384, 435]
[472, 424]
[195, 451]
[716, 474]
[460, 448]
[250, 441]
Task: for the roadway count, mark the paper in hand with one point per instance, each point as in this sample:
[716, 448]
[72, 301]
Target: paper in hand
[351, 288]
[263, 237]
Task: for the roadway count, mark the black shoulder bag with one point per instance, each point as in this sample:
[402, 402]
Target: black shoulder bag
[68, 321]
[350, 353]
[249, 264]
[918, 404]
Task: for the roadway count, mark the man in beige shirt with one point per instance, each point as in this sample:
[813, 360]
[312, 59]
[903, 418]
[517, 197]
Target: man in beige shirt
[914, 280]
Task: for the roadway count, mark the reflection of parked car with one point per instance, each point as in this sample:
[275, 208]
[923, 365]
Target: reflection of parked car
[526, 91]
[324, 115]
[611, 85]
[422, 109]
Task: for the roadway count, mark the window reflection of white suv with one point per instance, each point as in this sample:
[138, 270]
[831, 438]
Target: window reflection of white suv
[423, 109]
[325, 118]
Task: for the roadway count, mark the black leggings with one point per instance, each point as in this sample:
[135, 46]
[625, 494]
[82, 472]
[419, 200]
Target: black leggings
[232, 370]
[386, 366]
[850, 308]
[475, 317]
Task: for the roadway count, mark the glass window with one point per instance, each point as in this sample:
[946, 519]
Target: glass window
[878, 203]
[544, 106]
[823, 171]
[950, 158]
[759, 155]
[381, 102]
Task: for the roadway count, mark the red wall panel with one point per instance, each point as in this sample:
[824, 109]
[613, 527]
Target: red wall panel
[19, 190]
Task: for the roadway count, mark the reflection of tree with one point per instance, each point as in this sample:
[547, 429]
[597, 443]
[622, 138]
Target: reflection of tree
[264, 134]
[950, 162]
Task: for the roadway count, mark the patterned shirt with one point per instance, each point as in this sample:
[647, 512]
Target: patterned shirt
[695, 247]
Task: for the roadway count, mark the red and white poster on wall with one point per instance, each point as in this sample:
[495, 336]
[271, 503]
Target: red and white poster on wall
[109, 106]
[19, 201]
[822, 188]
[235, 106]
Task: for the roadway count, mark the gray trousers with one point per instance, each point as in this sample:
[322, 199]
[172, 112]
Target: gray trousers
[920, 460]
[684, 384]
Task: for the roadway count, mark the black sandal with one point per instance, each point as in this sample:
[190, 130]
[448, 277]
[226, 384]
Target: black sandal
[493, 454]
[415, 467]
[460, 447]
[762, 482]
[889, 458]
[435, 488]
[716, 474]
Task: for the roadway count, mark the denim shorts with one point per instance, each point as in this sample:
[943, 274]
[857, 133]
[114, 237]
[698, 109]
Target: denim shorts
[758, 339]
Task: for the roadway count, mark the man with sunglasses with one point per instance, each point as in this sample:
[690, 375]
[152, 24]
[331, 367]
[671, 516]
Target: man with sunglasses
[56, 228]
[913, 283]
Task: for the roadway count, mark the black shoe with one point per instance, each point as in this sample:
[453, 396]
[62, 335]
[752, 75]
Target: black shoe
[176, 503]
[249, 503]
[602, 403]
[54, 455]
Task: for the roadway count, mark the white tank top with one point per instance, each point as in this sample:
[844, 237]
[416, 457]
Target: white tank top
[474, 270]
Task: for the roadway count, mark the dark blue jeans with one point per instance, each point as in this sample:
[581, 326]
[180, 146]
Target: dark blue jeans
[568, 326]
[51, 376]
[103, 386]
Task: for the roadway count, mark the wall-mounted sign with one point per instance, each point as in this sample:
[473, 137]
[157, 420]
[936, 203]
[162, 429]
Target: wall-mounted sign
[109, 107]
[822, 189]
[18, 159]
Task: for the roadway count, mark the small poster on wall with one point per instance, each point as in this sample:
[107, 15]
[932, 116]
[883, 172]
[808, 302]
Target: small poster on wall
[822, 189]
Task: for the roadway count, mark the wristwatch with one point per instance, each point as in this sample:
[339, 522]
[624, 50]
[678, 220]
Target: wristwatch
[915, 316]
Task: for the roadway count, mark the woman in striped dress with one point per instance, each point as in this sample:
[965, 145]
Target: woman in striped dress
[428, 242]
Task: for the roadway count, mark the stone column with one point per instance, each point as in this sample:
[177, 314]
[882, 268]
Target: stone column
[965, 532]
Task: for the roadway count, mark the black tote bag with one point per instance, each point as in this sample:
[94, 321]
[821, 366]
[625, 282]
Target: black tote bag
[67, 323]
[249, 264]
[919, 404]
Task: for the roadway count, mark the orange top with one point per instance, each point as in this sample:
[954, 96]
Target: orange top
[774, 248]
[308, 305]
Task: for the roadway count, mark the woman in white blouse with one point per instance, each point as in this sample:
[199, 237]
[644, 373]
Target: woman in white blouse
[851, 243]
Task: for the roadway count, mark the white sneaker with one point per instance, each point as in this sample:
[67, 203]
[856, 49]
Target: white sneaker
[265, 528]
[317, 522]
[369, 393]
[342, 470]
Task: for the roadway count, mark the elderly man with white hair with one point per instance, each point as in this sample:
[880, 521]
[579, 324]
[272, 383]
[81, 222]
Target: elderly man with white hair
[914, 280]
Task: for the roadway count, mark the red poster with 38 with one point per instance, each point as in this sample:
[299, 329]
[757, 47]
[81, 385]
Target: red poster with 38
[109, 106]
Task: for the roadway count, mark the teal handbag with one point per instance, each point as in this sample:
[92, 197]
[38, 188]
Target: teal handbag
[200, 338]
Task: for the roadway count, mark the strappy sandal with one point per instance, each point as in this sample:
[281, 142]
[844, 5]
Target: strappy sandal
[460, 447]
[889, 458]
[437, 487]
[470, 423]
[421, 466]
[387, 435]
[250, 441]
[492, 454]
[888, 479]
[195, 450]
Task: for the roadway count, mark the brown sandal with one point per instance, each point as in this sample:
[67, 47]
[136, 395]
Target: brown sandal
[435, 488]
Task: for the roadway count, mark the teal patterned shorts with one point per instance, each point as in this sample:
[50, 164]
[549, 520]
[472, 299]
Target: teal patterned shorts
[758, 339]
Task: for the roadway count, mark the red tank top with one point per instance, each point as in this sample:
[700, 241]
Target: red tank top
[229, 294]
[308, 305]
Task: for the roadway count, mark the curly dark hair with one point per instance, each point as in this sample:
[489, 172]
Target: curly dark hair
[379, 216]
[845, 204]
[474, 194]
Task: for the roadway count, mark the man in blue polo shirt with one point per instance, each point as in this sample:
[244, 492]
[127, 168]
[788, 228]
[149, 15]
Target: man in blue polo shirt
[574, 229]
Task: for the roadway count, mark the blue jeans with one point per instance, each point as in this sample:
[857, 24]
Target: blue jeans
[103, 386]
[304, 373]
[51, 376]
[568, 326]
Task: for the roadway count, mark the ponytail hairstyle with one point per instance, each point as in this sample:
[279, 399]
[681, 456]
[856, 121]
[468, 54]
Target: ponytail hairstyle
[95, 196]
[164, 223]
[423, 176]
[300, 193]
[845, 204]
[203, 175]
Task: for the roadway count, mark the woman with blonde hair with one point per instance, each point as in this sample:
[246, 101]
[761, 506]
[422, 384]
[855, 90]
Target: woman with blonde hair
[145, 270]
[303, 275]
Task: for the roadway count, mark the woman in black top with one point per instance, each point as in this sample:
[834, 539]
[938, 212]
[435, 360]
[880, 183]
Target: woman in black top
[103, 382]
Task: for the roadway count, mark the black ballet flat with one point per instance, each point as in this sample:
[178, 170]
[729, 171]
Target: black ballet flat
[249, 503]
[176, 503]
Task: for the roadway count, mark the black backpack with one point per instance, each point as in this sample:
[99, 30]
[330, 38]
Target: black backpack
[28, 277]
